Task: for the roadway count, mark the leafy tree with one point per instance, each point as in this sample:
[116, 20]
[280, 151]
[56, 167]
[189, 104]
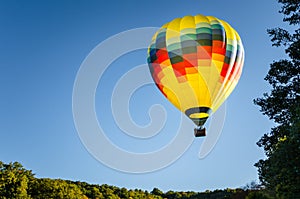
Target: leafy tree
[280, 172]
[172, 195]
[257, 195]
[54, 189]
[14, 181]
[95, 193]
[18, 183]
[157, 192]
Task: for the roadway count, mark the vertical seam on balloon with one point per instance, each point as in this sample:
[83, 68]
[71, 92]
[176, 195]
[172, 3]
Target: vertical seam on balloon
[214, 65]
[239, 49]
[210, 55]
[224, 87]
[239, 64]
[185, 94]
[174, 71]
[211, 63]
[195, 44]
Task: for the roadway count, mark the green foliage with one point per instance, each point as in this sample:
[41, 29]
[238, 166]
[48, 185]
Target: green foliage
[14, 181]
[54, 189]
[18, 183]
[280, 172]
[157, 192]
[257, 195]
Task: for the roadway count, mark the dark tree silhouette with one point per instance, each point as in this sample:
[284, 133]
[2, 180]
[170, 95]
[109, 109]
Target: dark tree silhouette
[280, 171]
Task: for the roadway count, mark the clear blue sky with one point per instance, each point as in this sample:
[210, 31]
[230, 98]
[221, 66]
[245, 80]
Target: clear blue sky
[42, 45]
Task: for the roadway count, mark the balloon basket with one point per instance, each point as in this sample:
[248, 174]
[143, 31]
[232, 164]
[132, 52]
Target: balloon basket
[199, 132]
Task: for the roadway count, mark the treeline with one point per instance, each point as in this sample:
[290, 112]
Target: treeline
[279, 172]
[20, 183]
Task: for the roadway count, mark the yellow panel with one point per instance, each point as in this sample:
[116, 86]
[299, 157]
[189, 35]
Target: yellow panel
[200, 19]
[166, 63]
[218, 57]
[169, 71]
[218, 64]
[187, 22]
[191, 70]
[173, 29]
[165, 25]
[204, 62]
[172, 40]
[192, 77]
[172, 97]
[230, 33]
[160, 75]
[211, 18]
[188, 31]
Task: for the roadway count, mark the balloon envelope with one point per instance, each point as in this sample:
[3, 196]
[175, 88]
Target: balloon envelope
[196, 61]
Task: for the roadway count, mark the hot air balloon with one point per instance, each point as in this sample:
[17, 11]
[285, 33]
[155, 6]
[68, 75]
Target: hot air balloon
[196, 62]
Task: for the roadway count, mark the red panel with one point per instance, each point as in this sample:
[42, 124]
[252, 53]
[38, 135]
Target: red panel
[191, 56]
[219, 44]
[190, 60]
[204, 52]
[157, 69]
[226, 67]
[188, 63]
[162, 55]
[224, 70]
[179, 68]
[161, 51]
[219, 50]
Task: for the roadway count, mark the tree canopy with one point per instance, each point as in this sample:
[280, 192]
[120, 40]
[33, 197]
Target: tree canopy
[16, 182]
[280, 171]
